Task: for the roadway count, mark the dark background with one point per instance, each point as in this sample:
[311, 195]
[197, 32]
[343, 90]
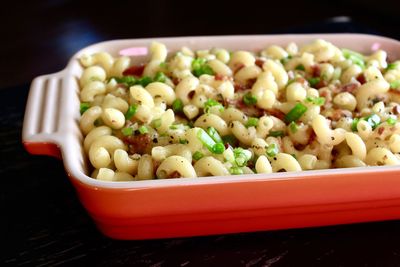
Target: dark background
[45, 224]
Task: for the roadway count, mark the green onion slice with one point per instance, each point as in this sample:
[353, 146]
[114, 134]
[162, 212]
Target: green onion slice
[84, 107]
[218, 148]
[235, 170]
[272, 150]
[197, 155]
[213, 133]
[293, 127]
[143, 129]
[391, 121]
[249, 99]
[276, 133]
[127, 131]
[252, 122]
[295, 113]
[160, 77]
[318, 101]
[131, 111]
[212, 103]
[205, 139]
[354, 57]
[177, 105]
[395, 84]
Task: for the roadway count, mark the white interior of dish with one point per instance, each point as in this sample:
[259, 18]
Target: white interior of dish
[70, 138]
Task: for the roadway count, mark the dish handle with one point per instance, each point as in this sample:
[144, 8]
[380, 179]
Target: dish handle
[40, 133]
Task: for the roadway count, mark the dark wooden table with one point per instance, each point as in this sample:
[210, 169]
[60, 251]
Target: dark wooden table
[43, 223]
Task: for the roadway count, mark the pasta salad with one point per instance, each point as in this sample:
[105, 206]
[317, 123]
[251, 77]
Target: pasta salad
[217, 112]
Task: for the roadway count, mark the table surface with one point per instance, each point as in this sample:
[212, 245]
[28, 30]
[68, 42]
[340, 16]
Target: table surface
[45, 225]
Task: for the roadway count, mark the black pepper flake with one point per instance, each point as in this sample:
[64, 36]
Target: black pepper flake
[155, 140]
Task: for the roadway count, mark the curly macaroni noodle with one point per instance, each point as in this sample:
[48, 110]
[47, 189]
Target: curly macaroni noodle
[216, 112]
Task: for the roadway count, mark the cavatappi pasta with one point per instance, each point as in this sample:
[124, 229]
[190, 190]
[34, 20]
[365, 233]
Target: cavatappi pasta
[217, 112]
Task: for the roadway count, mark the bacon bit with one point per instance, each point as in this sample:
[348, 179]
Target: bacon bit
[174, 174]
[393, 91]
[321, 83]
[191, 94]
[299, 146]
[237, 67]
[239, 87]
[140, 144]
[276, 113]
[250, 82]
[316, 70]
[219, 77]
[361, 78]
[135, 70]
[260, 62]
[176, 81]
[381, 130]
[313, 136]
[351, 87]
[302, 81]
[396, 109]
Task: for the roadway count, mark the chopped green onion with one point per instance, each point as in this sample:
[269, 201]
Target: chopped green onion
[160, 77]
[300, 67]
[295, 113]
[354, 57]
[230, 139]
[127, 80]
[163, 65]
[174, 127]
[197, 155]
[177, 105]
[144, 81]
[241, 156]
[213, 133]
[218, 148]
[84, 107]
[293, 127]
[143, 129]
[391, 121]
[354, 124]
[156, 123]
[392, 66]
[285, 59]
[127, 131]
[272, 150]
[183, 141]
[249, 99]
[318, 101]
[205, 139]
[373, 120]
[212, 103]
[276, 133]
[314, 81]
[131, 111]
[198, 63]
[200, 67]
[395, 84]
[252, 122]
[236, 170]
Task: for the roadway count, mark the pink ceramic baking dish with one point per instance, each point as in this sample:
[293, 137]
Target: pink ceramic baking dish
[211, 205]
